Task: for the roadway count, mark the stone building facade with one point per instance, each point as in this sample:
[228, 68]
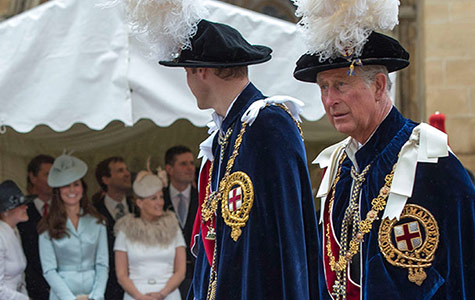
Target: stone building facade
[448, 75]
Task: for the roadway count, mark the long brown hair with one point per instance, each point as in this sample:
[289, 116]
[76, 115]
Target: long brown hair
[55, 221]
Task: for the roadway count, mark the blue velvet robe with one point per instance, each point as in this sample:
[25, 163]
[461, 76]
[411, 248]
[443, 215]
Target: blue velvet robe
[443, 188]
[275, 256]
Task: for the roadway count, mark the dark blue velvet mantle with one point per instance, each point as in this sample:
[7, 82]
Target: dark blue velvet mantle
[444, 189]
[275, 257]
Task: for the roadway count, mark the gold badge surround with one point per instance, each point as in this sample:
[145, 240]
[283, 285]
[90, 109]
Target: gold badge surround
[238, 218]
[419, 258]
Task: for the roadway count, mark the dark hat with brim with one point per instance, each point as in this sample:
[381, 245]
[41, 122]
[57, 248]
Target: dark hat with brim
[380, 49]
[217, 45]
[11, 196]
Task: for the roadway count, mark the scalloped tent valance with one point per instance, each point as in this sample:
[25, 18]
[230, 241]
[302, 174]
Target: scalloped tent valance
[69, 61]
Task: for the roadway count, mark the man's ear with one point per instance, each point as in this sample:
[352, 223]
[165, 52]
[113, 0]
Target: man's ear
[380, 83]
[203, 73]
[168, 168]
[32, 178]
[105, 180]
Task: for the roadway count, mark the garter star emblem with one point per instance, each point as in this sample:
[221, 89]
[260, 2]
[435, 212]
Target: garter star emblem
[410, 242]
[237, 202]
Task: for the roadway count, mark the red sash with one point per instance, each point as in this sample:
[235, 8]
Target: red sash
[198, 224]
[352, 290]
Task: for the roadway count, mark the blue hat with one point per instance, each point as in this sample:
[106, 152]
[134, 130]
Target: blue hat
[11, 196]
[217, 45]
[65, 170]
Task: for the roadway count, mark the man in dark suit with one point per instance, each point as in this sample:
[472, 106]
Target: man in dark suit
[38, 169]
[114, 178]
[182, 198]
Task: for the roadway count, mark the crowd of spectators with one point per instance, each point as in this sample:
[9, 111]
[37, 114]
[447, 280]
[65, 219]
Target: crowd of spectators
[128, 242]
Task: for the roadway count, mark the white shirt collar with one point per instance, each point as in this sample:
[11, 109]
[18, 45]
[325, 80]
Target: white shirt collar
[39, 204]
[353, 145]
[111, 205]
[174, 192]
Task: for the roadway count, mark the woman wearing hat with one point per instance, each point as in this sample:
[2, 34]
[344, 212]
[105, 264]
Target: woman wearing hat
[12, 260]
[149, 248]
[73, 240]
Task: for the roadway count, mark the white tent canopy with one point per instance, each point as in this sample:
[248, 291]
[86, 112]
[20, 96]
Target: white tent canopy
[69, 61]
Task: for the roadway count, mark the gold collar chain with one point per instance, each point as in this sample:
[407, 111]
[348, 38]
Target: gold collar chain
[210, 204]
[293, 119]
[223, 141]
[364, 226]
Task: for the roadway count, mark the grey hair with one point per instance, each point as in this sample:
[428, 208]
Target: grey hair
[368, 74]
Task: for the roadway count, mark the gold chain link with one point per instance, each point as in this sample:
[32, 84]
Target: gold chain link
[210, 203]
[209, 206]
[364, 226]
[295, 121]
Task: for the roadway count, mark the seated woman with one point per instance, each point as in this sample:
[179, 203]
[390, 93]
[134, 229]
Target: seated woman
[149, 248]
[73, 239]
[12, 259]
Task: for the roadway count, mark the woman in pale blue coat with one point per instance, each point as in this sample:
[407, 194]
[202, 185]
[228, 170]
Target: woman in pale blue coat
[73, 240]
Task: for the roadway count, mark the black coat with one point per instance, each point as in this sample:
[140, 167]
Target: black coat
[113, 290]
[190, 219]
[38, 288]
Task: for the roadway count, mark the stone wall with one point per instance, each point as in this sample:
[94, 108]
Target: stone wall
[449, 70]
[4, 6]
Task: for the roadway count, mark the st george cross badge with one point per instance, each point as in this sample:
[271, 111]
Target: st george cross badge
[237, 202]
[408, 236]
[410, 242]
[235, 199]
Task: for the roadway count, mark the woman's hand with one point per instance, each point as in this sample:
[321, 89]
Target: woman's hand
[157, 295]
[145, 297]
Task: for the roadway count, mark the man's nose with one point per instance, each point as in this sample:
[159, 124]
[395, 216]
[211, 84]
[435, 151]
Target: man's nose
[331, 97]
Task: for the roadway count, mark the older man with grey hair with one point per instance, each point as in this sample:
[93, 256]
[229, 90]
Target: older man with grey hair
[397, 207]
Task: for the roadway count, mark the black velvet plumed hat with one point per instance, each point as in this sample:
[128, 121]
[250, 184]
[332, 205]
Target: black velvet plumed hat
[217, 45]
[380, 49]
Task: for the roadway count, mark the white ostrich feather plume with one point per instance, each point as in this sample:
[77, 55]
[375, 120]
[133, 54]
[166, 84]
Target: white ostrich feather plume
[166, 26]
[332, 27]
